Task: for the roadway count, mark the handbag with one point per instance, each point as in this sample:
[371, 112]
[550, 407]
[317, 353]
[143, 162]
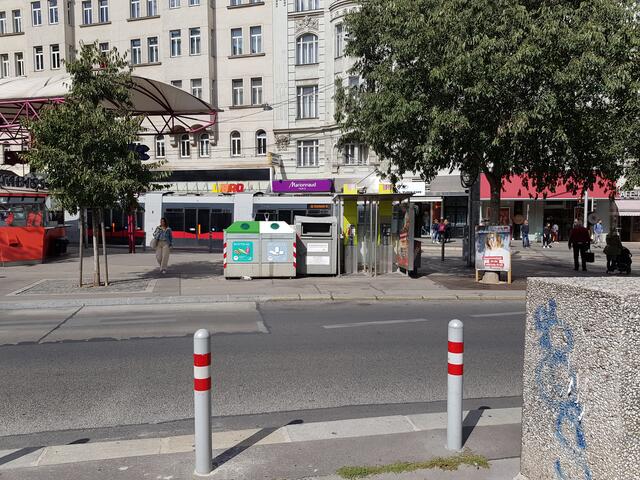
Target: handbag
[589, 257]
[154, 243]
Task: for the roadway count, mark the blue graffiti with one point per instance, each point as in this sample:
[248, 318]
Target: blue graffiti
[558, 388]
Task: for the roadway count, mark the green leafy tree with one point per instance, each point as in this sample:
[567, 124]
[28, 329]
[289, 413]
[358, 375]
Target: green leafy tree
[547, 90]
[82, 145]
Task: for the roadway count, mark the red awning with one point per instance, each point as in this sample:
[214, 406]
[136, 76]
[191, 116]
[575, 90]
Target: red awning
[513, 189]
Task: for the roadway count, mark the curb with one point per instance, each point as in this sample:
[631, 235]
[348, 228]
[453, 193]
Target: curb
[159, 300]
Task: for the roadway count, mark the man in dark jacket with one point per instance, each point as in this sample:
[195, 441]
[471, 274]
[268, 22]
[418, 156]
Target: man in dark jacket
[580, 240]
[524, 230]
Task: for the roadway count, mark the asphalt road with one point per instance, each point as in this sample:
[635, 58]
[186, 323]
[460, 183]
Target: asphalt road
[86, 369]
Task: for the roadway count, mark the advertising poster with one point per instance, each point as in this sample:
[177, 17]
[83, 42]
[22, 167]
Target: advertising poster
[242, 252]
[493, 251]
[403, 248]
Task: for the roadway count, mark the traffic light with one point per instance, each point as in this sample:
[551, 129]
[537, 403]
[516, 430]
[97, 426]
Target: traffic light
[140, 150]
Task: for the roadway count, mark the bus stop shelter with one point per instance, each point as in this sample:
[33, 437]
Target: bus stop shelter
[376, 233]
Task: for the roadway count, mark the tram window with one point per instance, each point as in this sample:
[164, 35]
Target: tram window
[175, 218]
[220, 219]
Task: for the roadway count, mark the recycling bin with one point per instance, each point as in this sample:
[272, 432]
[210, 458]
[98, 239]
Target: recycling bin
[318, 245]
[278, 247]
[241, 250]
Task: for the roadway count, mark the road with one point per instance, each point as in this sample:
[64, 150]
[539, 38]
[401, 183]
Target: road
[108, 367]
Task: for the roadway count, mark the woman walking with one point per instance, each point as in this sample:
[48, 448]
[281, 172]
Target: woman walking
[163, 239]
[546, 236]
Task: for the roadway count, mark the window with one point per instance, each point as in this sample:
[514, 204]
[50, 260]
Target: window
[194, 3]
[354, 81]
[203, 145]
[185, 146]
[256, 39]
[152, 50]
[135, 9]
[236, 41]
[136, 52]
[160, 150]
[152, 8]
[19, 58]
[308, 102]
[196, 87]
[176, 43]
[87, 15]
[104, 47]
[104, 11]
[36, 14]
[339, 40]
[194, 41]
[304, 5]
[307, 153]
[17, 21]
[307, 49]
[236, 144]
[70, 12]
[261, 142]
[53, 12]
[4, 65]
[256, 91]
[238, 92]
[176, 83]
[235, 3]
[354, 154]
[3, 23]
[55, 56]
[174, 3]
[38, 59]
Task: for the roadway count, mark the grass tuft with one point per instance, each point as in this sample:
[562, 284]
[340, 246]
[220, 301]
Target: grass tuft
[443, 463]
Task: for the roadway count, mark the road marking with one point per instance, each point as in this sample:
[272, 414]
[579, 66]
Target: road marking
[369, 324]
[500, 314]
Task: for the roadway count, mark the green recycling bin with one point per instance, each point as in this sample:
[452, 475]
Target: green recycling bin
[241, 250]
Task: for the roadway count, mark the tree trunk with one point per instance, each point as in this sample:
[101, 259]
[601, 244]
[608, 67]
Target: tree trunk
[104, 249]
[495, 183]
[96, 252]
[81, 249]
[85, 211]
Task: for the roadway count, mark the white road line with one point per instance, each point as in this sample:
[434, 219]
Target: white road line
[369, 324]
[500, 314]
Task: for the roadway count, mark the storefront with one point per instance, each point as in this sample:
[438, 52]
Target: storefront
[627, 215]
[560, 207]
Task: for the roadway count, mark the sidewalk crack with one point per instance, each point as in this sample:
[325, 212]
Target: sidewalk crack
[59, 325]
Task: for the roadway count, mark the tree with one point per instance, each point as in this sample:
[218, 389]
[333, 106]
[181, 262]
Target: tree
[82, 145]
[547, 90]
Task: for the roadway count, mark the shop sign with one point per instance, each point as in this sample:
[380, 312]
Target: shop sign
[298, 186]
[493, 251]
[227, 187]
[318, 206]
[417, 188]
[385, 188]
[630, 194]
[350, 189]
[9, 179]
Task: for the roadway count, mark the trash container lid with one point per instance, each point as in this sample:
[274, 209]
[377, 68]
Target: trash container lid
[244, 227]
[276, 227]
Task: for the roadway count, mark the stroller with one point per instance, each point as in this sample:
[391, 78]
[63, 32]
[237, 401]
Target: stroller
[623, 262]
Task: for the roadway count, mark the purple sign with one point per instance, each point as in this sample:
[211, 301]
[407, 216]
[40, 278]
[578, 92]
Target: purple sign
[293, 186]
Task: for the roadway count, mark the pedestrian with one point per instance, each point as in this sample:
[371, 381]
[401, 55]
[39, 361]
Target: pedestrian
[447, 230]
[442, 230]
[579, 240]
[163, 241]
[546, 236]
[612, 251]
[434, 230]
[525, 234]
[554, 232]
[598, 230]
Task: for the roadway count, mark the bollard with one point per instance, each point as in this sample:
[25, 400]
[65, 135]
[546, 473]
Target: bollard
[202, 400]
[442, 250]
[454, 385]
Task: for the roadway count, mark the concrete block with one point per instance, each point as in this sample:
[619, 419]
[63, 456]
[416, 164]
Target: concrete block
[581, 379]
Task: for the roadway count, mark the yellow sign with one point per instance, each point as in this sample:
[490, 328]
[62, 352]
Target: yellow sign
[350, 189]
[385, 188]
[227, 188]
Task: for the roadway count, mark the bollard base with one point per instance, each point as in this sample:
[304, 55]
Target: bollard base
[197, 476]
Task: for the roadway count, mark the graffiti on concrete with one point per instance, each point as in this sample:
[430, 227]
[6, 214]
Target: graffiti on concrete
[557, 384]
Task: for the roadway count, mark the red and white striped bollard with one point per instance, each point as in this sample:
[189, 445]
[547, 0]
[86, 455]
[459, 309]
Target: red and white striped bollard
[202, 400]
[454, 385]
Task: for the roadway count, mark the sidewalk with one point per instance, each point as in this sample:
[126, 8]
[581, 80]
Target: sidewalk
[292, 452]
[198, 277]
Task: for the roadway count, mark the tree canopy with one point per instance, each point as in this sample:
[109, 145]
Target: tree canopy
[547, 90]
[82, 146]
